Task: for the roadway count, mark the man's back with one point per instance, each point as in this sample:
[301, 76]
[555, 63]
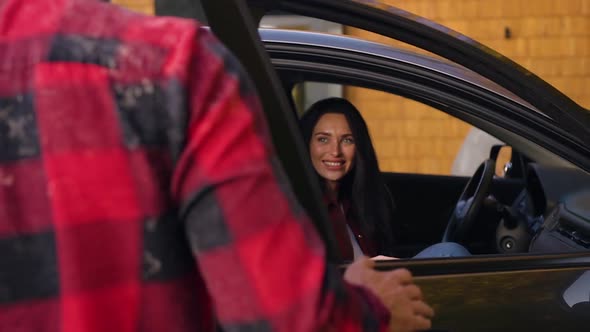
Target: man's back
[90, 128]
[138, 190]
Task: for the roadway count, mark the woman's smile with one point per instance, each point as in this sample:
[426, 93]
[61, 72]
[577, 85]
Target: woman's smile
[334, 164]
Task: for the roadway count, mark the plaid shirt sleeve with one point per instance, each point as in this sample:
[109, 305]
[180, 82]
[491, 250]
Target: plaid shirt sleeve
[261, 259]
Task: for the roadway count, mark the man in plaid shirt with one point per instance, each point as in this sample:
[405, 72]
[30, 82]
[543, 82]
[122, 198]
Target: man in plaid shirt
[139, 190]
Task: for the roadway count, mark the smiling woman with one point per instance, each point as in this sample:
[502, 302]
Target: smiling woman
[344, 159]
[359, 203]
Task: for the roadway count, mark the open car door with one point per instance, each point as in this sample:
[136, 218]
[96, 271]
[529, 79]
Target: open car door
[479, 293]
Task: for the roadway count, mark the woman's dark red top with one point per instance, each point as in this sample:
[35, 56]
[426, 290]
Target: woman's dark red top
[341, 215]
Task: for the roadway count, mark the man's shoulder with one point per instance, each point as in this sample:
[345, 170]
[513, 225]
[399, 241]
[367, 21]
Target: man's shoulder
[105, 20]
[128, 42]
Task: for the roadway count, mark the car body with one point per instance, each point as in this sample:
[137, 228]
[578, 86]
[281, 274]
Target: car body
[532, 280]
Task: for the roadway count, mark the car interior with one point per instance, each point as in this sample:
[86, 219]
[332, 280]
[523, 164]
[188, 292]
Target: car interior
[521, 208]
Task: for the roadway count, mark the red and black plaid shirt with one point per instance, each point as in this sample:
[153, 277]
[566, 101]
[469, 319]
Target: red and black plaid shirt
[138, 188]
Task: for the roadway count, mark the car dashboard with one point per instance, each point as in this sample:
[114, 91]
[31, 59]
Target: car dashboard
[555, 206]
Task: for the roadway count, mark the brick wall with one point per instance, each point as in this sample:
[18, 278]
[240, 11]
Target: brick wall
[550, 38]
[409, 136]
[142, 6]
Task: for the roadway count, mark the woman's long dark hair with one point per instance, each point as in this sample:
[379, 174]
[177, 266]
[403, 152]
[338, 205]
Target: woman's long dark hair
[363, 186]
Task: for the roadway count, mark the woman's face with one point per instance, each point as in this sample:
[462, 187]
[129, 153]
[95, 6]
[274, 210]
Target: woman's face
[332, 148]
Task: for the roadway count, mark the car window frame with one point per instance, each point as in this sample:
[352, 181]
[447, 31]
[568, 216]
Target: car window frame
[235, 35]
[481, 119]
[398, 24]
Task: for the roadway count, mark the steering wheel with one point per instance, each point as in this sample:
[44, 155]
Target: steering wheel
[467, 207]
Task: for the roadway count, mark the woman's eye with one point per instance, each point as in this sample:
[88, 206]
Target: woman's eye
[322, 139]
[348, 140]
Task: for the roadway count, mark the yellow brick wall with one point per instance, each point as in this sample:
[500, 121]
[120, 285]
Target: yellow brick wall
[142, 6]
[551, 38]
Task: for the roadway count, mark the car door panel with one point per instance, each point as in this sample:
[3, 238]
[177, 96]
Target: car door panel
[505, 293]
[511, 301]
